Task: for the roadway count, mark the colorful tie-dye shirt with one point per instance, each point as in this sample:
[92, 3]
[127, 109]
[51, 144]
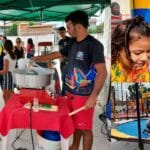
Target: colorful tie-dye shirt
[141, 75]
[80, 69]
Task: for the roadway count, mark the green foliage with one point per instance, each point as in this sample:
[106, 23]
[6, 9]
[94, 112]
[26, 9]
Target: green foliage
[31, 23]
[97, 29]
[92, 30]
[131, 89]
[142, 89]
[12, 30]
[145, 89]
[100, 28]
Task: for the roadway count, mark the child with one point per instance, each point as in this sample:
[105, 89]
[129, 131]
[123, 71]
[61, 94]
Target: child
[9, 63]
[130, 51]
[30, 48]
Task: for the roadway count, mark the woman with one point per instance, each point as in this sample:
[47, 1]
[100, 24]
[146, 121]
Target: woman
[18, 49]
[130, 49]
[9, 64]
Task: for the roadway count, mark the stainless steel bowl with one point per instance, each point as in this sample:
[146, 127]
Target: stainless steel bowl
[36, 77]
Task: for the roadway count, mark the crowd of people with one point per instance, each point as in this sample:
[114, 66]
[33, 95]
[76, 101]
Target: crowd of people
[83, 71]
[9, 55]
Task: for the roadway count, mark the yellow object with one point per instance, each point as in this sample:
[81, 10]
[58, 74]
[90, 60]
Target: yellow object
[141, 75]
[141, 4]
[145, 95]
[1, 49]
[118, 134]
[117, 74]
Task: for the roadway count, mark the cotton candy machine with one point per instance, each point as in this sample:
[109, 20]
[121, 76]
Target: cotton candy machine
[32, 82]
[34, 77]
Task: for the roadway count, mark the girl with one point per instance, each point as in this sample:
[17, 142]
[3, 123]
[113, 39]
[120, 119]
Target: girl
[30, 48]
[8, 66]
[131, 51]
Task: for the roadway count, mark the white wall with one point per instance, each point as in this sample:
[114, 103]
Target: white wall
[36, 39]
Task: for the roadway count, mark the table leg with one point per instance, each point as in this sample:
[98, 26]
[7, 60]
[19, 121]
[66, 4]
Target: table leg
[4, 142]
[2, 102]
[8, 139]
[64, 143]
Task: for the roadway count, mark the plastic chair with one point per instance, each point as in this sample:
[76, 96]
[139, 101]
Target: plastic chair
[45, 45]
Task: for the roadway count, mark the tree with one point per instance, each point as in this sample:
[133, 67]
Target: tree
[12, 30]
[31, 23]
[100, 28]
[131, 89]
[97, 29]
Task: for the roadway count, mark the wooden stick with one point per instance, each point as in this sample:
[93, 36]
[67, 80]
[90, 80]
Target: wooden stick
[76, 111]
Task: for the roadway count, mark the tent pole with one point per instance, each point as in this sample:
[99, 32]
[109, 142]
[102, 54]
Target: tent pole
[127, 107]
[141, 146]
[4, 27]
[114, 104]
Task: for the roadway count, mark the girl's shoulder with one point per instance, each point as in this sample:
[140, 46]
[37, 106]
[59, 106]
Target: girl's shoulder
[117, 74]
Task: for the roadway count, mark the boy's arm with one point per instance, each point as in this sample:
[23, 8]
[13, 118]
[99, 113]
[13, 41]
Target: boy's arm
[47, 57]
[101, 74]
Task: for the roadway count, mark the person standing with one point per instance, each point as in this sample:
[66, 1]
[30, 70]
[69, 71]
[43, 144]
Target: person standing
[18, 49]
[116, 16]
[9, 64]
[64, 41]
[86, 73]
[30, 48]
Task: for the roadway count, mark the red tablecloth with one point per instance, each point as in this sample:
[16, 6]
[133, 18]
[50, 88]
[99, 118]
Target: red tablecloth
[13, 115]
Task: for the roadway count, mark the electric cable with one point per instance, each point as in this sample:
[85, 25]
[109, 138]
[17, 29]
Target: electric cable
[31, 127]
[12, 145]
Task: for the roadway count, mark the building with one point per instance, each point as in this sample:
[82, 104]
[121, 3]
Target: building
[24, 29]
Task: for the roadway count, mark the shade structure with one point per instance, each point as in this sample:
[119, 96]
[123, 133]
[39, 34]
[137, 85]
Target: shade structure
[129, 131]
[47, 10]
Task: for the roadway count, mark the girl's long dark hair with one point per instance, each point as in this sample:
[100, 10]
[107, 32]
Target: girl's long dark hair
[8, 46]
[123, 35]
[117, 42]
[30, 41]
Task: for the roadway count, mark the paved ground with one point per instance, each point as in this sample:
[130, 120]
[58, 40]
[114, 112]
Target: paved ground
[120, 145]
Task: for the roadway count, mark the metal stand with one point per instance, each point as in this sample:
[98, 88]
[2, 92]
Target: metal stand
[141, 146]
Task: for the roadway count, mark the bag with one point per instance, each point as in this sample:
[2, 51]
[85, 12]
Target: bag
[30, 54]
